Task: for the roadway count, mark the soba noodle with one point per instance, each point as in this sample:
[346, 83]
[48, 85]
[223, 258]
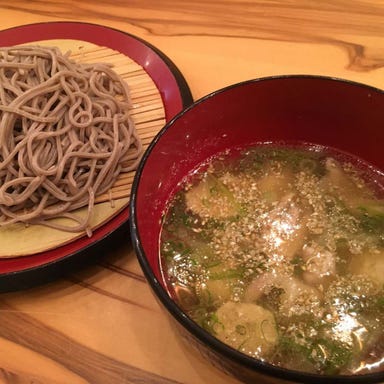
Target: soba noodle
[65, 135]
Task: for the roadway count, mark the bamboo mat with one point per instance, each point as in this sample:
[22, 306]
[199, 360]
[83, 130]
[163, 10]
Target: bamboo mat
[148, 113]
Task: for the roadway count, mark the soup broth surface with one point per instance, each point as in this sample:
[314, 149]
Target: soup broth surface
[279, 253]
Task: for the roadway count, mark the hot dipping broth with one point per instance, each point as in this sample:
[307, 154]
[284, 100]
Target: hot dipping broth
[279, 252]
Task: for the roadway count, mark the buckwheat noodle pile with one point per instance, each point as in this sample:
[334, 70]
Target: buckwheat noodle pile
[65, 136]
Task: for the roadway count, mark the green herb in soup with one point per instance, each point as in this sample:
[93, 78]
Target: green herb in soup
[279, 253]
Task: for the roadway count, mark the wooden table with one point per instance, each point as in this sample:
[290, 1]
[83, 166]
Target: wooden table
[101, 324]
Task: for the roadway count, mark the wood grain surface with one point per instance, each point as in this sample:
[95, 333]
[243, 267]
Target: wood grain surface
[101, 324]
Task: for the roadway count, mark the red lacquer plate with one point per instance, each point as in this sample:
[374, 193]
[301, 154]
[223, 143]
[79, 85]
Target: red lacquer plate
[22, 272]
